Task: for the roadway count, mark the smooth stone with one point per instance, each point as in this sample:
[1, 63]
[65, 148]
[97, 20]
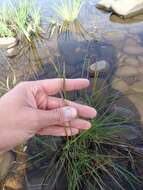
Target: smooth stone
[131, 42]
[104, 4]
[100, 67]
[119, 85]
[6, 161]
[114, 35]
[138, 87]
[132, 61]
[8, 42]
[133, 50]
[121, 59]
[127, 8]
[127, 71]
[12, 52]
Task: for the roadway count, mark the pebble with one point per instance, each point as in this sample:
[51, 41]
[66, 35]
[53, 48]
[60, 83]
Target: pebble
[12, 52]
[135, 50]
[131, 61]
[8, 42]
[127, 71]
[119, 85]
[131, 42]
[100, 67]
[138, 87]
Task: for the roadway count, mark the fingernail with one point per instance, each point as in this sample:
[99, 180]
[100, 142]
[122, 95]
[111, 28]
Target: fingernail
[69, 113]
[74, 131]
[88, 126]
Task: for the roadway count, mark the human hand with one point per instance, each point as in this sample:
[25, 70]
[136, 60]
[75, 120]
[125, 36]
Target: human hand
[30, 109]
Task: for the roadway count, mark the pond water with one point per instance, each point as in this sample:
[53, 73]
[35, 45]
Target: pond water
[118, 41]
[106, 37]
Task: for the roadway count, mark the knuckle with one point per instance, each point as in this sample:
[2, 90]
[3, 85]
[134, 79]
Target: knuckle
[59, 116]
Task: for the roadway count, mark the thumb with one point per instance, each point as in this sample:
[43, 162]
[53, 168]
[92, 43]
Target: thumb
[56, 116]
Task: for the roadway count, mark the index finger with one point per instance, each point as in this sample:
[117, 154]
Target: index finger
[53, 86]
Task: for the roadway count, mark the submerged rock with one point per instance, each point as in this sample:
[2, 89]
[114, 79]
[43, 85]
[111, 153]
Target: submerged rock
[120, 85]
[100, 67]
[127, 71]
[125, 8]
[131, 61]
[6, 161]
[138, 87]
[8, 42]
[134, 50]
[12, 52]
[104, 4]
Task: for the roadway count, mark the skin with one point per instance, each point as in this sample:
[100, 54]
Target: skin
[31, 108]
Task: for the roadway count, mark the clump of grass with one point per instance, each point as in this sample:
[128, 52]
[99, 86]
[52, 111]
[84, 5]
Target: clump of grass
[5, 30]
[97, 158]
[20, 18]
[68, 10]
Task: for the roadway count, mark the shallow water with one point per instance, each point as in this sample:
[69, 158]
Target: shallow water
[120, 42]
[108, 37]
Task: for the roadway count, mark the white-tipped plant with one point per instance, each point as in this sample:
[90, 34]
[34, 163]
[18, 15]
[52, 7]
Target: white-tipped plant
[68, 9]
[20, 18]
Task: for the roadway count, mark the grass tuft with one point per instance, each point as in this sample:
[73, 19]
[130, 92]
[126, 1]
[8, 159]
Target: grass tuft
[20, 18]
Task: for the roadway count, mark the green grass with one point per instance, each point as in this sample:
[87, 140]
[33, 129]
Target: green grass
[95, 159]
[5, 30]
[66, 13]
[68, 10]
[94, 155]
[20, 18]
